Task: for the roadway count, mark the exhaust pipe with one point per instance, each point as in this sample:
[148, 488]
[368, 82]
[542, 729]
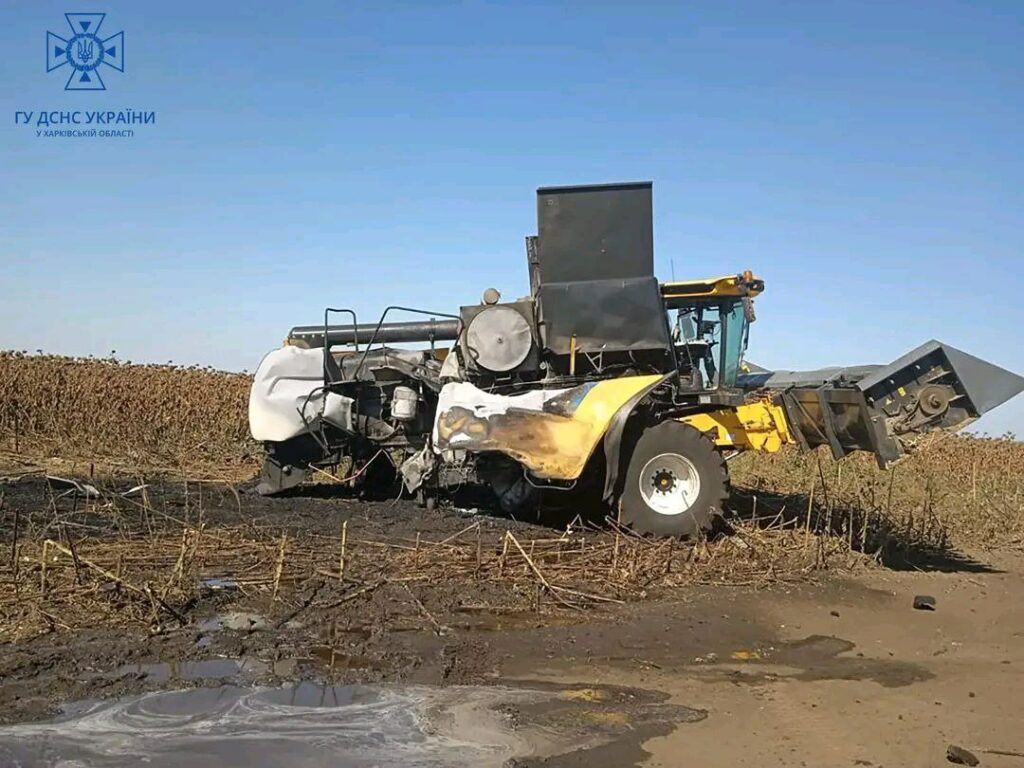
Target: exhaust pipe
[312, 336]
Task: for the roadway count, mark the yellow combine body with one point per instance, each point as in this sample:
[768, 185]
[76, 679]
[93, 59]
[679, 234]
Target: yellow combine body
[602, 378]
[757, 426]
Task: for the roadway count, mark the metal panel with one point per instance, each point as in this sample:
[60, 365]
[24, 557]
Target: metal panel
[604, 315]
[985, 385]
[839, 419]
[596, 232]
[551, 432]
[760, 378]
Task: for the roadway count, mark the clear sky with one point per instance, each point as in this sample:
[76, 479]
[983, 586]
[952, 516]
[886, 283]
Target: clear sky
[865, 158]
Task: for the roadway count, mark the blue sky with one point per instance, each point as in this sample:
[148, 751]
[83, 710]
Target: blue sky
[865, 158]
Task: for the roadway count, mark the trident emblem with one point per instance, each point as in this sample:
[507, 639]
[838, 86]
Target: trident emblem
[84, 51]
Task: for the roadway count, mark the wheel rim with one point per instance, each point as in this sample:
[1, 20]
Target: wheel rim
[669, 484]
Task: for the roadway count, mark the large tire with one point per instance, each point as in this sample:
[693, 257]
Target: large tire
[676, 482]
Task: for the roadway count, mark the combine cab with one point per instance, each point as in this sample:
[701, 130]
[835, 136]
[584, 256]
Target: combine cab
[602, 378]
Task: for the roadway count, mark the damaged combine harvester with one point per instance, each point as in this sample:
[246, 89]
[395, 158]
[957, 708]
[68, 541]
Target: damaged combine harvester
[601, 379]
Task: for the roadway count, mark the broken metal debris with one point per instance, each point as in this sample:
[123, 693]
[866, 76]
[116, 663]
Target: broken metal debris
[924, 603]
[960, 756]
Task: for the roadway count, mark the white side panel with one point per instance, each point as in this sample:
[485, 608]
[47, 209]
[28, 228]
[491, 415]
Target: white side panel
[282, 383]
[484, 404]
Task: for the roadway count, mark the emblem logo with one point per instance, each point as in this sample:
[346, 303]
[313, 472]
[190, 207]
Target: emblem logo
[85, 51]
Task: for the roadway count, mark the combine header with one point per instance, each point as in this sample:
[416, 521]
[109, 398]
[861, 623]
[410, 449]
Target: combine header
[601, 378]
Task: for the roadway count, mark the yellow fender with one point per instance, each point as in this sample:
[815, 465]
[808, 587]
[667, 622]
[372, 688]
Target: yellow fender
[554, 439]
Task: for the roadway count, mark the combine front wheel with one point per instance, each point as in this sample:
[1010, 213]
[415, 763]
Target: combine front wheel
[676, 482]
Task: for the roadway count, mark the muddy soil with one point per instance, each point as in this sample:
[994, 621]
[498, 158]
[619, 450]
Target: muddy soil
[835, 670]
[388, 634]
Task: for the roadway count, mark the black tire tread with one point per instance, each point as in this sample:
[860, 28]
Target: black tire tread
[675, 437]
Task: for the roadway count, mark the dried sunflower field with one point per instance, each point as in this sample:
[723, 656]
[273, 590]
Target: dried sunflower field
[138, 415]
[962, 491]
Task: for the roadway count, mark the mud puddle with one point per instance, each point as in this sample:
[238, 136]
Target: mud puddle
[239, 621]
[312, 724]
[813, 658]
[164, 672]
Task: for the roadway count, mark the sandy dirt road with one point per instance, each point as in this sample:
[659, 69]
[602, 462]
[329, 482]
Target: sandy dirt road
[842, 673]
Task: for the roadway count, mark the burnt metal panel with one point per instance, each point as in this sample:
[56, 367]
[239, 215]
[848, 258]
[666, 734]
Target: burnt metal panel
[595, 232]
[604, 315]
[592, 269]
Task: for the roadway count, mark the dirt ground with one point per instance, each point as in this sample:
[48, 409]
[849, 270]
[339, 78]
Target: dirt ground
[834, 669]
[841, 672]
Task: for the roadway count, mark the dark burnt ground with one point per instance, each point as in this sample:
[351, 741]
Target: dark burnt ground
[185, 585]
[310, 509]
[316, 625]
